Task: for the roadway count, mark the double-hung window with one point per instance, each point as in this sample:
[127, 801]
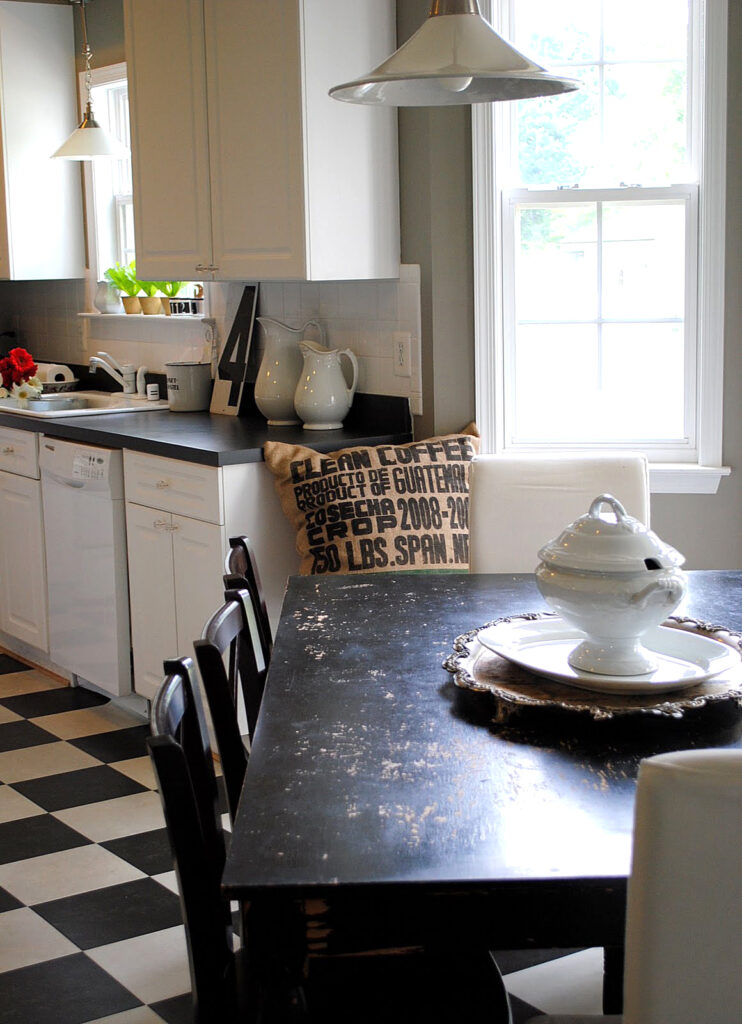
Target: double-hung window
[599, 233]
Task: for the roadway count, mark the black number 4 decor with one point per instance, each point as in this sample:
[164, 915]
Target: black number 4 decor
[229, 385]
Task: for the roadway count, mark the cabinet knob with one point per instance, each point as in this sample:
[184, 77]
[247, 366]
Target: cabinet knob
[8, 449]
[162, 484]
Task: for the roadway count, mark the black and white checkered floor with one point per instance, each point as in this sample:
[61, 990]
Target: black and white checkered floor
[89, 917]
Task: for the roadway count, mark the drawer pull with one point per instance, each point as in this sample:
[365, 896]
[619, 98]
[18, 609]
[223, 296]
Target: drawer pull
[8, 449]
[172, 528]
[162, 484]
[160, 523]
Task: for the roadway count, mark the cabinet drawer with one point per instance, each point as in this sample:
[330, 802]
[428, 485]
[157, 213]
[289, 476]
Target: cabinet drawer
[19, 452]
[173, 486]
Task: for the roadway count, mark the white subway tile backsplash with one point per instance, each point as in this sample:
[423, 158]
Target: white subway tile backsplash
[360, 315]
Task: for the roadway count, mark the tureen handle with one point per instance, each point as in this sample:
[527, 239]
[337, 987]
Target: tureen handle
[607, 499]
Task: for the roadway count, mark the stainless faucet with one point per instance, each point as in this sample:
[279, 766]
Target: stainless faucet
[124, 375]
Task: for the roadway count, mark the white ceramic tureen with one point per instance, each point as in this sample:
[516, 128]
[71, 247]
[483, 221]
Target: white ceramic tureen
[614, 579]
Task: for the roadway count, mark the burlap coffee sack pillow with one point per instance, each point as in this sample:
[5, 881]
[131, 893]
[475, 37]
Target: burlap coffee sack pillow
[381, 508]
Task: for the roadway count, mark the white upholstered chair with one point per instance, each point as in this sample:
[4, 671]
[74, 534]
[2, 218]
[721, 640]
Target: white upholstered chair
[684, 913]
[519, 502]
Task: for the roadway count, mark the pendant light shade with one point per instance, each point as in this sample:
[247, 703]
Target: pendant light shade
[455, 57]
[88, 141]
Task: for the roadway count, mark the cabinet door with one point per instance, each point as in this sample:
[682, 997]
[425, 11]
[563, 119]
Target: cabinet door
[22, 566]
[151, 595]
[169, 137]
[198, 559]
[255, 138]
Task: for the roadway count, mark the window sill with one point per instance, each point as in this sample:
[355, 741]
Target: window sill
[151, 318]
[685, 478]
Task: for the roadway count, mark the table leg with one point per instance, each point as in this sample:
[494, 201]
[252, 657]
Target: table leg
[613, 964]
[273, 961]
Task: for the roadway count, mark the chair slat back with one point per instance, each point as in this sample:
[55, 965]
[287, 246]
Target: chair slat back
[231, 636]
[183, 765]
[242, 573]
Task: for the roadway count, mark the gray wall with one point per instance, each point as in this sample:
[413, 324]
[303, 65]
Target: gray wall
[436, 233]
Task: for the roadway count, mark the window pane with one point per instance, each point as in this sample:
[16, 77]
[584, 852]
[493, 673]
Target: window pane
[643, 380]
[551, 32]
[555, 368]
[645, 124]
[559, 136]
[645, 29]
[556, 270]
[643, 261]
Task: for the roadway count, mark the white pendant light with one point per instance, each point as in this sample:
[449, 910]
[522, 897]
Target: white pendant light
[456, 57]
[88, 141]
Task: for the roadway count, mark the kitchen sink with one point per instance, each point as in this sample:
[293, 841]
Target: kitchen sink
[80, 403]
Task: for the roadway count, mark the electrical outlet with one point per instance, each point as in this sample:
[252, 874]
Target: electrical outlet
[402, 354]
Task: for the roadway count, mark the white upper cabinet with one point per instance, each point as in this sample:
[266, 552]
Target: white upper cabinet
[41, 225]
[244, 168]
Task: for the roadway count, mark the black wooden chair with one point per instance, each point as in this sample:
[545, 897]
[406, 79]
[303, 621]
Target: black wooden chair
[231, 633]
[183, 764]
[241, 573]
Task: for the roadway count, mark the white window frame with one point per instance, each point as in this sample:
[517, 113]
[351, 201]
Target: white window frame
[699, 470]
[100, 76]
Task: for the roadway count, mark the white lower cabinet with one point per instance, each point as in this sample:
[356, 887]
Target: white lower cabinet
[23, 611]
[175, 567]
[178, 528]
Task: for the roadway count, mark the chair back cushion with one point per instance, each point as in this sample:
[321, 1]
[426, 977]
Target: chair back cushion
[517, 503]
[380, 508]
[684, 919]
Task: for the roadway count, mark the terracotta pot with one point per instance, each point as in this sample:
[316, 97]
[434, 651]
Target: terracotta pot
[150, 304]
[131, 303]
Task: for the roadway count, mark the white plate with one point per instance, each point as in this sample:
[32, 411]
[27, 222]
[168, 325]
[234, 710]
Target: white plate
[543, 645]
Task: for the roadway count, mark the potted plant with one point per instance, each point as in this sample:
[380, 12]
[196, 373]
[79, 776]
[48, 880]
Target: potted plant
[150, 301]
[125, 279]
[169, 290]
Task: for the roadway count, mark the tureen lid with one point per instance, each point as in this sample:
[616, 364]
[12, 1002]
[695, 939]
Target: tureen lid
[609, 541]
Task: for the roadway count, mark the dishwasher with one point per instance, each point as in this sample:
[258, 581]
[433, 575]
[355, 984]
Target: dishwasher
[82, 489]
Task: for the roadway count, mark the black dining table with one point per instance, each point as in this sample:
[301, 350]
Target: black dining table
[386, 808]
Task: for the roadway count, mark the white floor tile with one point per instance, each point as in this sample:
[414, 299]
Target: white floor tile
[66, 873]
[44, 759]
[8, 716]
[168, 879]
[153, 966]
[25, 939]
[14, 806]
[34, 680]
[137, 768]
[111, 819]
[571, 984]
[71, 725]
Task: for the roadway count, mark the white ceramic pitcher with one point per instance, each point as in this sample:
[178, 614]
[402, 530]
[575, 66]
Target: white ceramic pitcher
[280, 370]
[323, 397]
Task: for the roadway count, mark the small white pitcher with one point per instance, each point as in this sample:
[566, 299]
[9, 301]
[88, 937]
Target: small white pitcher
[323, 397]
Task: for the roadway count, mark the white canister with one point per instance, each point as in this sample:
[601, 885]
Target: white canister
[188, 386]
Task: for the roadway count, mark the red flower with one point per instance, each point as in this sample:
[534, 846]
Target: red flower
[16, 367]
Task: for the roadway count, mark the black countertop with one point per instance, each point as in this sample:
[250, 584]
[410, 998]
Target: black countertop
[223, 440]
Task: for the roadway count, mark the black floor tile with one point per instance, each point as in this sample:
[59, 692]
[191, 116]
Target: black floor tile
[119, 745]
[518, 959]
[148, 851]
[35, 836]
[8, 902]
[114, 913]
[14, 735]
[8, 664]
[53, 702]
[178, 1010]
[69, 990]
[522, 1011]
[72, 789]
